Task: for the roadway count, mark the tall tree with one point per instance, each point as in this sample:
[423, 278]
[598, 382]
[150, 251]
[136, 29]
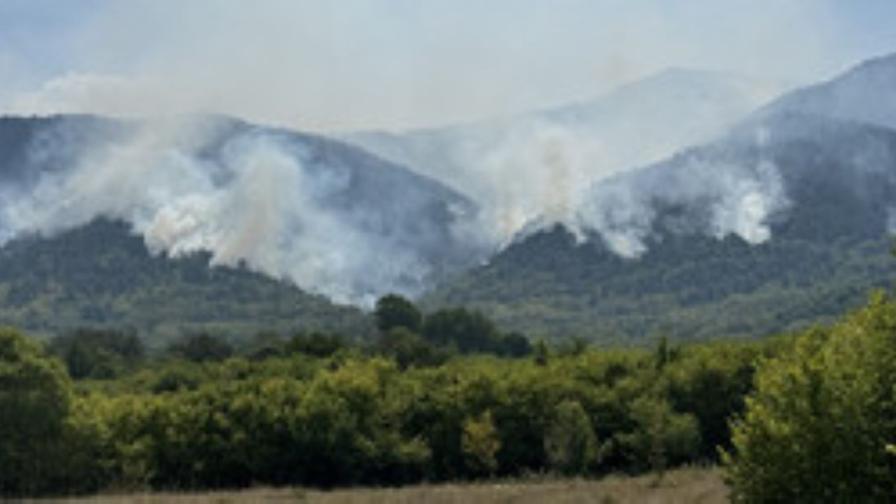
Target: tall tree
[817, 426]
[394, 311]
[35, 397]
[469, 330]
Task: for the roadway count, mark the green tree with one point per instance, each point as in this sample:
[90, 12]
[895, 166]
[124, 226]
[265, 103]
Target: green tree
[97, 353]
[570, 443]
[201, 347]
[514, 345]
[662, 437]
[480, 444]
[35, 397]
[662, 352]
[409, 349]
[816, 427]
[710, 381]
[264, 345]
[316, 344]
[541, 354]
[394, 311]
[469, 331]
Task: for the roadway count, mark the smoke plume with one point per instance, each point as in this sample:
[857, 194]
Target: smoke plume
[258, 197]
[713, 198]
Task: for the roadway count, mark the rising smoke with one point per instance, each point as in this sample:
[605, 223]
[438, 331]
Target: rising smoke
[257, 198]
[717, 199]
[253, 196]
[560, 166]
[346, 230]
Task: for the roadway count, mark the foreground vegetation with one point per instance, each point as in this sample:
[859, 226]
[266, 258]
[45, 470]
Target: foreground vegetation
[447, 397]
[820, 424]
[314, 413]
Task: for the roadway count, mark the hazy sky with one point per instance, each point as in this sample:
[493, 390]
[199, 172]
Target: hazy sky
[331, 64]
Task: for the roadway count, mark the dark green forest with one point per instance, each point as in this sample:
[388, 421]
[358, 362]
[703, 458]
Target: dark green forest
[829, 248]
[447, 396]
[691, 288]
[103, 275]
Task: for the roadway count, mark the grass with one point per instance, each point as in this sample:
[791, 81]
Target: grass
[680, 486]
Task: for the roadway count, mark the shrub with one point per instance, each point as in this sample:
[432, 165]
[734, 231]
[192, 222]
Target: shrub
[570, 443]
[817, 425]
[35, 398]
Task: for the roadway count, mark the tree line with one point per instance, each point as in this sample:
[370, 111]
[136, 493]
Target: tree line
[446, 396]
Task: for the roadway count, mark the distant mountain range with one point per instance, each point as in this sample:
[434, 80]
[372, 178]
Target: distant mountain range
[685, 204]
[292, 205]
[783, 221]
[524, 167]
[637, 123]
[287, 210]
[864, 94]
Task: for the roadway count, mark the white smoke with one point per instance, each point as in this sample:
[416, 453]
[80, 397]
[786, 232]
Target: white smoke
[536, 170]
[260, 201]
[539, 174]
[259, 204]
[716, 198]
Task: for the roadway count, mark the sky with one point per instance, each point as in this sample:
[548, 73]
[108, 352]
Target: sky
[399, 64]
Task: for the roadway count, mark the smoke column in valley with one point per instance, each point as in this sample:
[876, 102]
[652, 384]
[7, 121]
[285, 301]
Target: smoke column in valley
[257, 199]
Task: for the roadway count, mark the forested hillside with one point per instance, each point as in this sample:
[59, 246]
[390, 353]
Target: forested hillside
[695, 288]
[637, 123]
[102, 275]
[294, 205]
[782, 222]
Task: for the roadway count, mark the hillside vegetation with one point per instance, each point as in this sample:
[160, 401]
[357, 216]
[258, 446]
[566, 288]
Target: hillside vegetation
[782, 220]
[828, 244]
[689, 288]
[328, 216]
[101, 275]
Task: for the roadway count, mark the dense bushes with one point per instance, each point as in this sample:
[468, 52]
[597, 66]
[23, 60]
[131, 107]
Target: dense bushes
[97, 353]
[102, 274]
[351, 418]
[818, 425]
[35, 397]
[405, 333]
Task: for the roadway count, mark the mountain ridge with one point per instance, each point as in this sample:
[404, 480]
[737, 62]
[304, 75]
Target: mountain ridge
[817, 192]
[529, 164]
[863, 93]
[289, 203]
[103, 275]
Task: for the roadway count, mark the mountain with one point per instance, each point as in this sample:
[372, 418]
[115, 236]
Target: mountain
[665, 111]
[102, 275]
[783, 221]
[641, 122]
[524, 166]
[864, 94]
[331, 218]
